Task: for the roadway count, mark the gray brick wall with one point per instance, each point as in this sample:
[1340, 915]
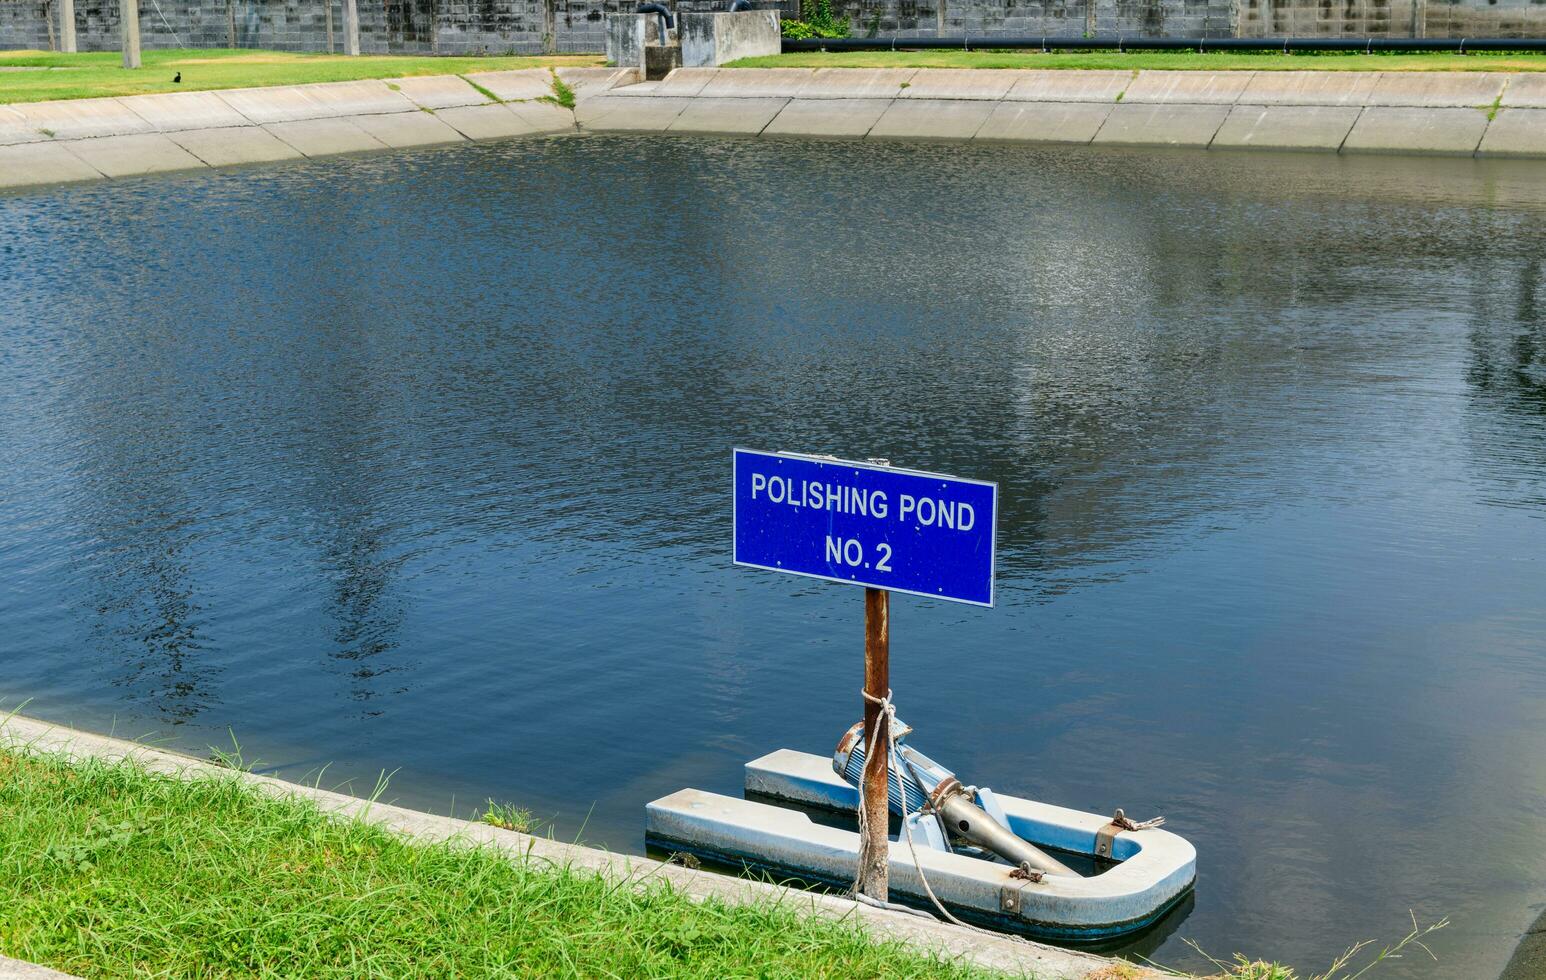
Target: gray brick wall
[1393, 18]
[25, 24]
[532, 26]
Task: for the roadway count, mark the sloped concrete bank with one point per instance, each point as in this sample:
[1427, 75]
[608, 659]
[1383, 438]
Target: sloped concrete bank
[92, 139]
[1015, 956]
[1446, 113]
[1451, 113]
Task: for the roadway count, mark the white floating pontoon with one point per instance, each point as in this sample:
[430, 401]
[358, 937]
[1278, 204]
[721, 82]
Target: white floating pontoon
[1141, 873]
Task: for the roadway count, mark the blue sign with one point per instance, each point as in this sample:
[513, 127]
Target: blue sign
[866, 524]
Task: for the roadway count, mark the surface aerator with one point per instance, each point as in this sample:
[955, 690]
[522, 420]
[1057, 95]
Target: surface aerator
[932, 792]
[1137, 873]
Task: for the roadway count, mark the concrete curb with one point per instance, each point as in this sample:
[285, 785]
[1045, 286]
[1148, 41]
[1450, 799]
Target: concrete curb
[19, 970]
[983, 949]
[67, 141]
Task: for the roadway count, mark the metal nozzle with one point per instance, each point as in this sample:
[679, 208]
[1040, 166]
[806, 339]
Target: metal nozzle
[922, 782]
[966, 819]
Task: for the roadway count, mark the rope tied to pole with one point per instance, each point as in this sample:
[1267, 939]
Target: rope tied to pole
[888, 710]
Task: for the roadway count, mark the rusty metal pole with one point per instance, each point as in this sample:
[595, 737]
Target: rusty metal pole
[875, 821]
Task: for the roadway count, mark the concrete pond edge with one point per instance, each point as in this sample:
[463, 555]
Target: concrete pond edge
[81, 140]
[1456, 114]
[1462, 114]
[988, 950]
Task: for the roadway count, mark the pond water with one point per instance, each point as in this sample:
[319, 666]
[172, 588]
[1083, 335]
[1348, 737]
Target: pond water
[420, 462]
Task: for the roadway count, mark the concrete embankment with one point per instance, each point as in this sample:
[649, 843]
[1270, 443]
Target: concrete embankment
[92, 139]
[1452, 113]
[1448, 113]
[1004, 953]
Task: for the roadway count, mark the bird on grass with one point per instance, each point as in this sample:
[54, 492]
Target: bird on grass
[177, 78]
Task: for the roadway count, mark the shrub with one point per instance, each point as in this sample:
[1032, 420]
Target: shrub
[821, 23]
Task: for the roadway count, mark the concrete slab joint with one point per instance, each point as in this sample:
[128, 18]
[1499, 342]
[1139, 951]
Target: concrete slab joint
[1044, 122]
[1162, 125]
[827, 118]
[30, 164]
[234, 146]
[324, 137]
[1515, 133]
[1406, 129]
[135, 154]
[1286, 127]
[933, 119]
[744, 117]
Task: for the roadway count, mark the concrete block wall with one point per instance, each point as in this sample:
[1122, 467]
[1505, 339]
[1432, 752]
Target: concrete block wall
[1392, 18]
[1167, 18]
[534, 26]
[450, 27]
[1196, 18]
[24, 24]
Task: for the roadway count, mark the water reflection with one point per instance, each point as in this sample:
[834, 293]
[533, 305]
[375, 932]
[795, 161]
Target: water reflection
[125, 488]
[418, 462]
[147, 629]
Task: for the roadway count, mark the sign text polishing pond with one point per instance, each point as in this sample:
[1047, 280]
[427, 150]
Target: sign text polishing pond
[865, 524]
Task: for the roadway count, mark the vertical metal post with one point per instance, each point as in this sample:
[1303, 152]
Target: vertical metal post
[230, 23]
[874, 822]
[129, 26]
[327, 13]
[67, 26]
[351, 28]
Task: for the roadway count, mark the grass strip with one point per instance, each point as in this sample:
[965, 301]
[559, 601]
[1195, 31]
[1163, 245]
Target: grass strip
[107, 870]
[101, 73]
[1148, 60]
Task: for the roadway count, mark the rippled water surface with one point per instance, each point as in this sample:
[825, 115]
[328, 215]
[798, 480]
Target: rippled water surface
[421, 462]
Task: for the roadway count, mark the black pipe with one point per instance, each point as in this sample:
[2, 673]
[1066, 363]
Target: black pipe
[740, 5]
[666, 20]
[1285, 44]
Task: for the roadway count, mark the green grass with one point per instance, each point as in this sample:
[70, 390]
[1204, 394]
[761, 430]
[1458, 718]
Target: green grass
[481, 90]
[109, 871]
[1184, 60]
[562, 95]
[507, 816]
[79, 76]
